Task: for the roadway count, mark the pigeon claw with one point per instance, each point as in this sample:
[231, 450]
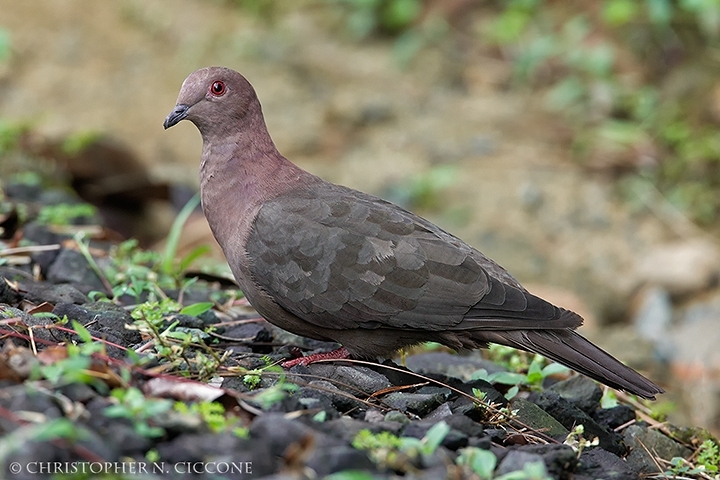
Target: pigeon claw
[338, 354]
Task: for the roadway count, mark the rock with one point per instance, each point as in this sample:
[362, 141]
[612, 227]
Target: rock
[612, 418]
[569, 416]
[598, 463]
[441, 412]
[641, 440]
[328, 393]
[38, 292]
[118, 432]
[458, 366]
[418, 403]
[347, 428]
[71, 267]
[454, 439]
[580, 391]
[8, 295]
[464, 424]
[680, 268]
[558, 459]
[104, 320]
[333, 458]
[354, 380]
[395, 416]
[535, 417]
[515, 461]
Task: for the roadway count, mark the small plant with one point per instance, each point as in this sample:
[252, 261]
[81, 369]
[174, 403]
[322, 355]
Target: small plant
[577, 442]
[134, 406]
[708, 456]
[387, 449]
[268, 397]
[536, 374]
[174, 345]
[76, 365]
[481, 462]
[64, 214]
[214, 415]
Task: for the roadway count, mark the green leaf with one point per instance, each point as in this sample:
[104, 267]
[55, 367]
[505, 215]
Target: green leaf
[619, 12]
[82, 332]
[192, 256]
[507, 378]
[55, 429]
[434, 437]
[480, 461]
[554, 369]
[512, 392]
[168, 261]
[197, 309]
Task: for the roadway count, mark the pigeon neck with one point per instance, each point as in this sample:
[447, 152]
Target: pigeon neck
[238, 174]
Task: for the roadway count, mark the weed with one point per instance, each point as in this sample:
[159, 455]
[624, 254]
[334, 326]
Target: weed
[66, 214]
[577, 442]
[134, 406]
[76, 366]
[536, 374]
[214, 416]
[173, 345]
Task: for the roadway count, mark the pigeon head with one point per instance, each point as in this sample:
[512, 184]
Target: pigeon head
[212, 97]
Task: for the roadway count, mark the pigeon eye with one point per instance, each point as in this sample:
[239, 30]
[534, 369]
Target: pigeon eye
[217, 88]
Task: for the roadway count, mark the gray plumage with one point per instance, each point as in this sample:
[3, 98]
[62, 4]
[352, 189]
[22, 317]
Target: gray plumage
[331, 263]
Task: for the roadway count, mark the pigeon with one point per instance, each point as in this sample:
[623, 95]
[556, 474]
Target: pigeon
[331, 263]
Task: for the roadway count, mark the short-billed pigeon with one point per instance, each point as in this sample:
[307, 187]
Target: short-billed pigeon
[331, 263]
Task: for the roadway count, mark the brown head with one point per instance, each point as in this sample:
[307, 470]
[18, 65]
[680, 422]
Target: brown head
[214, 98]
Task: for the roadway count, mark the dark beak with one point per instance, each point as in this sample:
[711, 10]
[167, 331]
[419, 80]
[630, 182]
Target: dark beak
[178, 113]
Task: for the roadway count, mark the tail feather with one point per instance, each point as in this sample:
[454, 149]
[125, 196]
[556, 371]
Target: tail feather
[572, 350]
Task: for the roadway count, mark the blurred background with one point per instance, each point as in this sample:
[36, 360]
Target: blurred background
[576, 143]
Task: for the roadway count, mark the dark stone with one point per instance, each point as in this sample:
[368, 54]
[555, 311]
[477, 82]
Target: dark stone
[39, 292]
[599, 463]
[614, 417]
[118, 432]
[78, 392]
[536, 418]
[559, 460]
[454, 439]
[464, 424]
[484, 442]
[223, 447]
[431, 389]
[23, 192]
[185, 321]
[515, 460]
[70, 266]
[440, 412]
[331, 459]
[360, 381]
[581, 391]
[569, 416]
[641, 440]
[103, 320]
[449, 364]
[328, 392]
[7, 294]
[417, 403]
[347, 428]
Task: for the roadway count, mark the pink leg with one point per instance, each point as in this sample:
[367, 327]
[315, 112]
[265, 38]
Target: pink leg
[338, 354]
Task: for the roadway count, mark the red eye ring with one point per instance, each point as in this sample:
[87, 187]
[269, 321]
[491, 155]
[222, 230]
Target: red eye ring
[217, 88]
